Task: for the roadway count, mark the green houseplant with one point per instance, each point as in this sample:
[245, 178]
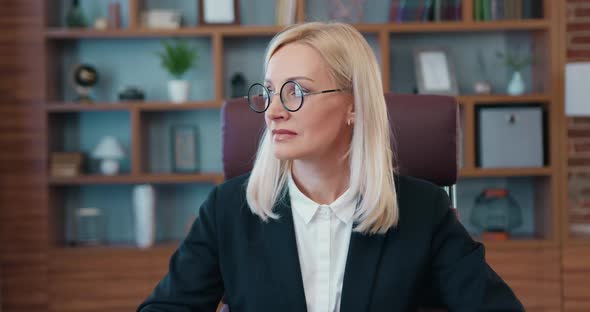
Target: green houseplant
[177, 58]
[516, 65]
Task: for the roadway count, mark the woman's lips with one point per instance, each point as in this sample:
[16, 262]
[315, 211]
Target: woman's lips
[282, 135]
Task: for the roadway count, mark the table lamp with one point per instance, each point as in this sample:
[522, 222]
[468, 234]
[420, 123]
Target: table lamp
[109, 151]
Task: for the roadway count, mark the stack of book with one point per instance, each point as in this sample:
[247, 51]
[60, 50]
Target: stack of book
[66, 164]
[494, 10]
[425, 10]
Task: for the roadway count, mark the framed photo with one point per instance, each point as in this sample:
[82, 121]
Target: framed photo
[435, 73]
[219, 12]
[184, 148]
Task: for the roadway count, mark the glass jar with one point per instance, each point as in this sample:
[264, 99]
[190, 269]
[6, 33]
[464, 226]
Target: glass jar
[89, 226]
[495, 210]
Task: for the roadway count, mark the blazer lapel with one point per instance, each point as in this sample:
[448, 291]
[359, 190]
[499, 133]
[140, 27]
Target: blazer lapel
[361, 270]
[281, 251]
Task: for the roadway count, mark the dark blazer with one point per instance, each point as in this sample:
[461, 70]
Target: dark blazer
[428, 256]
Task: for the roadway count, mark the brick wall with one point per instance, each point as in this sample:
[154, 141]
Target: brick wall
[578, 49]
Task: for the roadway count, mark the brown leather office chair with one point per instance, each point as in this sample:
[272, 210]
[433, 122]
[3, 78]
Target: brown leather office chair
[424, 127]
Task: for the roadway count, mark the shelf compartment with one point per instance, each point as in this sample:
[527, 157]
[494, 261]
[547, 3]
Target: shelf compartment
[246, 56]
[56, 12]
[126, 63]
[533, 197]
[155, 138]
[82, 131]
[176, 208]
[468, 51]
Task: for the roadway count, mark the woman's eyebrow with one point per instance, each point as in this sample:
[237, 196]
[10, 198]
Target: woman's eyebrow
[292, 78]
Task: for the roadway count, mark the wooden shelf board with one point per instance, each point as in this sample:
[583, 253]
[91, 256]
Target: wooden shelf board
[578, 239]
[183, 178]
[166, 247]
[508, 172]
[65, 33]
[167, 106]
[269, 30]
[142, 178]
[58, 107]
[469, 26]
[236, 31]
[201, 31]
[502, 99]
[518, 243]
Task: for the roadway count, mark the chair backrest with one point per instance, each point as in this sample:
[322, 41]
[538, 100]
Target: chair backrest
[424, 127]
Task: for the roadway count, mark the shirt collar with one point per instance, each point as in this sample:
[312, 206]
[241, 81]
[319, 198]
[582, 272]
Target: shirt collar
[343, 207]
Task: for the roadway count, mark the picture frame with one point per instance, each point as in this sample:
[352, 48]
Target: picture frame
[219, 12]
[435, 73]
[183, 139]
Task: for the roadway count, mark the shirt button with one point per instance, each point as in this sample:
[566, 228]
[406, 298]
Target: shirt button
[324, 210]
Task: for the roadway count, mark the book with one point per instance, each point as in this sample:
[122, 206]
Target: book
[285, 12]
[518, 8]
[393, 11]
[494, 10]
[437, 10]
[487, 14]
[426, 13]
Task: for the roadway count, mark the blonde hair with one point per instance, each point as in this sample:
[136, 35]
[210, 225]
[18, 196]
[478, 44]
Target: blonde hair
[352, 65]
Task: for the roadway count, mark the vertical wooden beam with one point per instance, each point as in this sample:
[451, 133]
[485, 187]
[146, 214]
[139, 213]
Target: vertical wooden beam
[384, 45]
[134, 14]
[467, 13]
[300, 11]
[468, 134]
[217, 53]
[136, 142]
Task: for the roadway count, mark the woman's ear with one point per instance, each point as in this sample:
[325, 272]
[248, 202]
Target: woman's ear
[351, 113]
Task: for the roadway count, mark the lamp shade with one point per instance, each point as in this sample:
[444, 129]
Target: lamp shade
[108, 148]
[577, 89]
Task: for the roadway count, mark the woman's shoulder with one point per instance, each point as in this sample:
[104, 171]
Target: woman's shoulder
[420, 198]
[235, 182]
[404, 183]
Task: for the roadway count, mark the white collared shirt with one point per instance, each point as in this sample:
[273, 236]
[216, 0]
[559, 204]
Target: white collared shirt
[323, 237]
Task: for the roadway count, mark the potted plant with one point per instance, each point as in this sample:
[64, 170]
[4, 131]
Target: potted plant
[516, 65]
[177, 58]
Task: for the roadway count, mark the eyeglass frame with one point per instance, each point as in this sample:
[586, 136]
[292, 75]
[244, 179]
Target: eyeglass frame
[271, 94]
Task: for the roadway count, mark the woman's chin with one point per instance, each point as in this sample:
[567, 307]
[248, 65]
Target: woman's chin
[282, 153]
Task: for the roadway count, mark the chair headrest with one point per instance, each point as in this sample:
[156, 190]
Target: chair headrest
[424, 127]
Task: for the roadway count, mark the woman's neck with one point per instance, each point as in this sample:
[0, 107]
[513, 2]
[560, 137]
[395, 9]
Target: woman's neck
[321, 181]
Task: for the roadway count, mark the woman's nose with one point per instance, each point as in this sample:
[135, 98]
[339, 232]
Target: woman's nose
[275, 109]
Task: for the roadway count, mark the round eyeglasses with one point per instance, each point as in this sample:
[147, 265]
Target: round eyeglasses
[291, 95]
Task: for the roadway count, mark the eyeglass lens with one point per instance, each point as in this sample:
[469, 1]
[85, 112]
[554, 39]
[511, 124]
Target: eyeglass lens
[291, 97]
[258, 97]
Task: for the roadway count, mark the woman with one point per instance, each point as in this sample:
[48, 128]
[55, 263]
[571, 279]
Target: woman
[323, 222]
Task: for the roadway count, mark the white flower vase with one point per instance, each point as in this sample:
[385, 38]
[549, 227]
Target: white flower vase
[516, 85]
[178, 90]
[144, 209]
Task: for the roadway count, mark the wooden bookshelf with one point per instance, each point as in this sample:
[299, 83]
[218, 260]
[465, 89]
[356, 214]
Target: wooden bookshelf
[528, 263]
